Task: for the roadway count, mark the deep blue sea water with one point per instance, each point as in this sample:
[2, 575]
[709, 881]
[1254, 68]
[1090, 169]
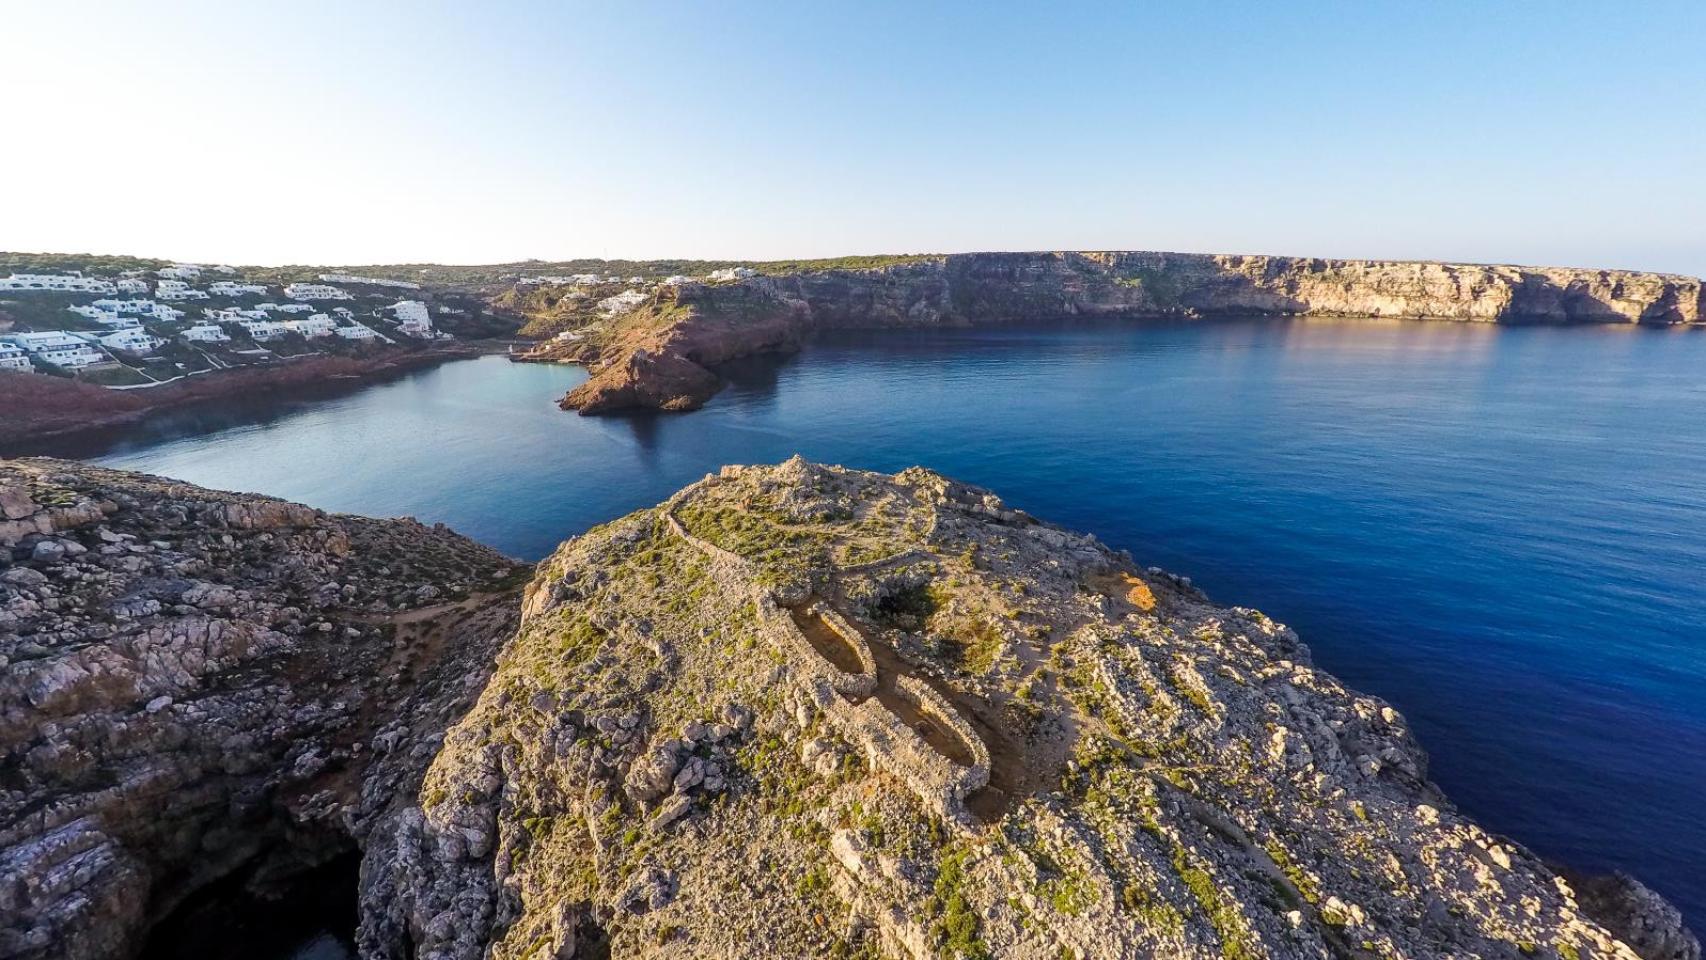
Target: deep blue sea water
[1500, 530]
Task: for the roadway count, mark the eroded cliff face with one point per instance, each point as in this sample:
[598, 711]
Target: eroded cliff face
[803, 711]
[195, 685]
[658, 357]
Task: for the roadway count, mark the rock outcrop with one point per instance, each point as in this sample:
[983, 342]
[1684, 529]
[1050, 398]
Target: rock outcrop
[803, 711]
[659, 356]
[197, 685]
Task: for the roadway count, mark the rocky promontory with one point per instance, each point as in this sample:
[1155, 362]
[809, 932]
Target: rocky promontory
[197, 686]
[803, 711]
[794, 711]
[662, 355]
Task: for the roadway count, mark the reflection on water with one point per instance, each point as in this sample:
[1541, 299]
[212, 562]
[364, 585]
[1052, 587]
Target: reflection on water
[1500, 530]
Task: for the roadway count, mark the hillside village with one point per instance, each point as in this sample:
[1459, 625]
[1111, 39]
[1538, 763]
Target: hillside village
[562, 310]
[126, 323]
[140, 327]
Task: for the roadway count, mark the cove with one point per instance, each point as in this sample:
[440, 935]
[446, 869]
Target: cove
[1500, 530]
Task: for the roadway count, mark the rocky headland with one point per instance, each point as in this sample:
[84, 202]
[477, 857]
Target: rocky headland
[802, 711]
[793, 711]
[662, 356]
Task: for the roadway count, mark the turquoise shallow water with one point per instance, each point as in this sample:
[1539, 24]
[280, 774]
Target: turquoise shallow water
[1502, 531]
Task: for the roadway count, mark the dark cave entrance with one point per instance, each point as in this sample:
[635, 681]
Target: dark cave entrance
[311, 915]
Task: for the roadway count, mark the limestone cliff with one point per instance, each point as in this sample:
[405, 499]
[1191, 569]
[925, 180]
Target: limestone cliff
[802, 711]
[197, 685]
[658, 356]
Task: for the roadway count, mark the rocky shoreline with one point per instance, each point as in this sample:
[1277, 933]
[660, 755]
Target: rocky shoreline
[663, 355]
[793, 711]
[40, 407]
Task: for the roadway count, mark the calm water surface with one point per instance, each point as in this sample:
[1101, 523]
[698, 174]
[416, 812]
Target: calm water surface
[1502, 531]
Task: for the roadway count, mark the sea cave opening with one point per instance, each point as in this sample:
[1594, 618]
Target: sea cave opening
[309, 914]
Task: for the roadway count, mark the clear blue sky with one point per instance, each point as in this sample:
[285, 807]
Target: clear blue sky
[268, 132]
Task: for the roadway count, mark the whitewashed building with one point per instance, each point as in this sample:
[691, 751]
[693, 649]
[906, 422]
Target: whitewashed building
[56, 347]
[133, 340]
[372, 281]
[312, 327]
[732, 273]
[230, 288]
[359, 331]
[315, 291]
[133, 305]
[205, 333]
[106, 318]
[140, 307]
[131, 285]
[180, 271]
[413, 320]
[233, 314]
[262, 330]
[92, 312]
[55, 281]
[625, 302]
[177, 290]
[13, 357]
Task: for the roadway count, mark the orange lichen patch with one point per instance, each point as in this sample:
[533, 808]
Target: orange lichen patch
[1127, 587]
[1139, 595]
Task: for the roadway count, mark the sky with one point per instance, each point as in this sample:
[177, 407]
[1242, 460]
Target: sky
[356, 132]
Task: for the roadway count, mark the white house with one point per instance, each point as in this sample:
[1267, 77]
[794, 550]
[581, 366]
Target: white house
[111, 320]
[312, 327]
[134, 340]
[291, 308]
[93, 312]
[233, 314]
[56, 347]
[13, 357]
[732, 273]
[230, 288]
[141, 307]
[262, 330]
[131, 285]
[413, 319]
[372, 281]
[177, 290]
[676, 280]
[180, 271]
[205, 333]
[315, 291]
[625, 302]
[359, 331]
[343, 312]
[55, 281]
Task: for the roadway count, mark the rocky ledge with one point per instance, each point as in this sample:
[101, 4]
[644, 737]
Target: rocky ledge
[802, 711]
[197, 686]
[662, 355]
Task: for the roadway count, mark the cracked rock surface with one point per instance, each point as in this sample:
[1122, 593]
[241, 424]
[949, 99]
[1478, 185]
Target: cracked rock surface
[196, 684]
